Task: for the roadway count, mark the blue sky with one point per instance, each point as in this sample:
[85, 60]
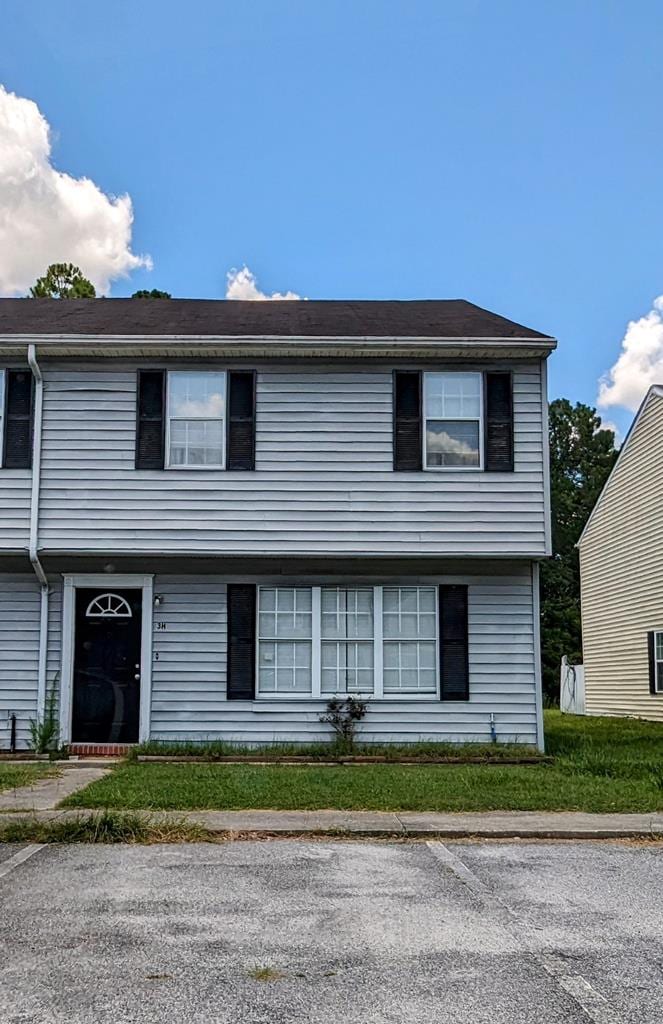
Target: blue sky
[506, 152]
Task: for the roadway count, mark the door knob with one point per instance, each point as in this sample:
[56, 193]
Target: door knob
[137, 676]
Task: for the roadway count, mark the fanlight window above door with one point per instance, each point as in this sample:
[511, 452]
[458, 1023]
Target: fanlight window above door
[108, 606]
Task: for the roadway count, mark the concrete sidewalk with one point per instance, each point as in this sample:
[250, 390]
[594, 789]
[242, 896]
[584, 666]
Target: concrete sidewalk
[45, 794]
[40, 801]
[405, 824]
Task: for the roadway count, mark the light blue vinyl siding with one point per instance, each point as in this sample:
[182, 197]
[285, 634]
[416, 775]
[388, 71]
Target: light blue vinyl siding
[19, 651]
[323, 483]
[189, 668]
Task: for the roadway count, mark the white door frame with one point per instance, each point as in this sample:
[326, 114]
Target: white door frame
[110, 581]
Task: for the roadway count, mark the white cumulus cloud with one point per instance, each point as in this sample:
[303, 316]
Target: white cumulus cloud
[242, 284]
[47, 216]
[640, 363]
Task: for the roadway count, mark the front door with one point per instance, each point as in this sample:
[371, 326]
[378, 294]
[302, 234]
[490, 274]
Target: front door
[106, 666]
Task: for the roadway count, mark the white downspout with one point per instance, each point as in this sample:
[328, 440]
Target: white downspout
[34, 531]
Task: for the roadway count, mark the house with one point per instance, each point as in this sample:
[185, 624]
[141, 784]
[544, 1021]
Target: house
[621, 572]
[216, 515]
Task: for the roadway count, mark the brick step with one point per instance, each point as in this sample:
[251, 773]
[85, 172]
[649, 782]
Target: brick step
[99, 749]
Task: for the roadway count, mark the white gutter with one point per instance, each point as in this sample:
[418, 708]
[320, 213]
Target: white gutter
[34, 531]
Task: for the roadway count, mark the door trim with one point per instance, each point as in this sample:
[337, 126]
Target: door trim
[146, 585]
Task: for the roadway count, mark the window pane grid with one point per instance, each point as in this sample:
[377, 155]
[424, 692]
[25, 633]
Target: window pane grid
[347, 667]
[452, 412]
[410, 639]
[335, 639]
[196, 418]
[347, 640]
[285, 640]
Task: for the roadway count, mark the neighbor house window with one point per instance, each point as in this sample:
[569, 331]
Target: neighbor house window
[410, 639]
[452, 417]
[284, 640]
[196, 413]
[373, 641]
[658, 654]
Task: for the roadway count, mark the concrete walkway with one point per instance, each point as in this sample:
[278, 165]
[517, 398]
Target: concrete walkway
[45, 794]
[488, 825]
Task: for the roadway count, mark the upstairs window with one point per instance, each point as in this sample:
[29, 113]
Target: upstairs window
[195, 419]
[452, 420]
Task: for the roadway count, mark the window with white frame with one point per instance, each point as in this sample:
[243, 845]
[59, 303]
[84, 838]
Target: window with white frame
[409, 630]
[347, 640]
[196, 413]
[284, 640]
[453, 420]
[373, 641]
[658, 649]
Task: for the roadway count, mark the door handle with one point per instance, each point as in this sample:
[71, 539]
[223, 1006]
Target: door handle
[137, 676]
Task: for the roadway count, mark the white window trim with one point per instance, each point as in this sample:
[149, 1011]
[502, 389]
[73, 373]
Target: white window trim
[657, 662]
[219, 465]
[120, 582]
[378, 648]
[466, 419]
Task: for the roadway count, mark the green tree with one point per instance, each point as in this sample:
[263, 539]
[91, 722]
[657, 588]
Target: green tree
[582, 453]
[153, 293]
[62, 281]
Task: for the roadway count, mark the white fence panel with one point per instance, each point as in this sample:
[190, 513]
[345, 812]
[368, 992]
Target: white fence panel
[572, 688]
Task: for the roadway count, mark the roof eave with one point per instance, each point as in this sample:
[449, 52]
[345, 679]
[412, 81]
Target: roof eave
[272, 345]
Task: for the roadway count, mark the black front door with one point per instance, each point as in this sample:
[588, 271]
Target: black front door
[106, 666]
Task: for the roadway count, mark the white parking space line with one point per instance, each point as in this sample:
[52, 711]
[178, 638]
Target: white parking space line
[592, 1003]
[16, 859]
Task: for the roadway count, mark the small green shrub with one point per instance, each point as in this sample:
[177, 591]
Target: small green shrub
[45, 732]
[343, 714]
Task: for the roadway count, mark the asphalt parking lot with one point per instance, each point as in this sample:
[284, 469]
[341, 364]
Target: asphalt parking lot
[293, 931]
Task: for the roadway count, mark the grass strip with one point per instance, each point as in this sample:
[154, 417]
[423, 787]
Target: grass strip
[107, 827]
[14, 775]
[220, 750]
[600, 765]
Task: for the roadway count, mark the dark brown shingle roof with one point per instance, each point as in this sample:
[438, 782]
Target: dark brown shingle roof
[446, 318]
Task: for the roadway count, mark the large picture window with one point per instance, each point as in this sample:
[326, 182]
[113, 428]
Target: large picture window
[372, 641]
[453, 420]
[196, 413]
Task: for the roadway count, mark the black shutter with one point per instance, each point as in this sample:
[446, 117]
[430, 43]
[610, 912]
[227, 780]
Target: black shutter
[499, 423]
[454, 657]
[150, 419]
[241, 420]
[19, 408]
[241, 641]
[651, 642]
[407, 420]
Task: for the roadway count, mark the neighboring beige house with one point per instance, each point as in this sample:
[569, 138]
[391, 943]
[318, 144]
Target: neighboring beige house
[621, 569]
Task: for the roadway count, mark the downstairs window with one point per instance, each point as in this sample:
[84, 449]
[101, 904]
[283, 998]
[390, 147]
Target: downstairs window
[370, 641]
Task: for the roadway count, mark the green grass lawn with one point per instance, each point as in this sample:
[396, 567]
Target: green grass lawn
[22, 775]
[600, 765]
